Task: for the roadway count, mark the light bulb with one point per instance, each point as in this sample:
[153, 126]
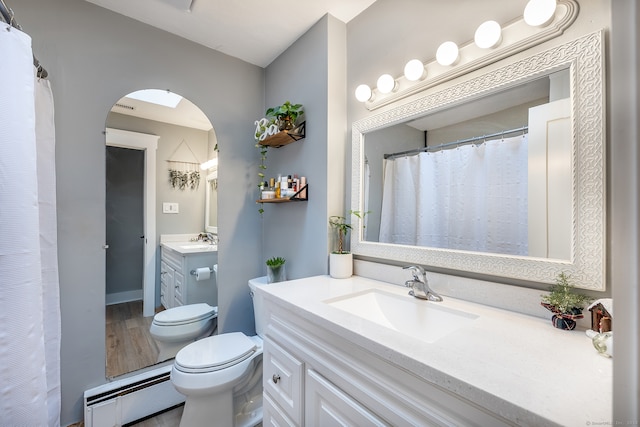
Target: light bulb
[386, 83]
[488, 35]
[363, 93]
[414, 70]
[447, 53]
[539, 13]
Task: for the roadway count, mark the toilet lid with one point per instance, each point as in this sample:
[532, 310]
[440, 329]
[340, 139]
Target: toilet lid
[215, 352]
[185, 314]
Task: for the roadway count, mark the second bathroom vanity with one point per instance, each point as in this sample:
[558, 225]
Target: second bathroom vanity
[179, 258]
[359, 351]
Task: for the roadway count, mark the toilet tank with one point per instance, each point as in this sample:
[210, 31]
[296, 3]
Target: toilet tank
[258, 304]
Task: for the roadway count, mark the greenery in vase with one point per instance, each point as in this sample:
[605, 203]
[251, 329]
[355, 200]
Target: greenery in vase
[286, 113]
[338, 223]
[563, 298]
[275, 262]
[360, 215]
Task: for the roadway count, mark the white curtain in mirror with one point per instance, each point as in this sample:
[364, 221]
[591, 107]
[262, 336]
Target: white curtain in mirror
[479, 202]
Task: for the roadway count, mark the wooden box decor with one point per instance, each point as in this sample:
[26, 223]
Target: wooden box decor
[602, 315]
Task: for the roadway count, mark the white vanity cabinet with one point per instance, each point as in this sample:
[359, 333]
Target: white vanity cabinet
[178, 286]
[314, 377]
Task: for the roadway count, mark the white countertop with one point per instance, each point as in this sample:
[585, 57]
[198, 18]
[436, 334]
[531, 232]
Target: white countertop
[515, 365]
[190, 247]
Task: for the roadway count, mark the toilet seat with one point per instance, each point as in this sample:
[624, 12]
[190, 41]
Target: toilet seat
[185, 314]
[215, 353]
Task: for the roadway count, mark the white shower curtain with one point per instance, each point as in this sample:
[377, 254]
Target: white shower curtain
[29, 290]
[470, 198]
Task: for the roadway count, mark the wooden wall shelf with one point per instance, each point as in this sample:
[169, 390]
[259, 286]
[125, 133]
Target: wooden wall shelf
[286, 137]
[295, 198]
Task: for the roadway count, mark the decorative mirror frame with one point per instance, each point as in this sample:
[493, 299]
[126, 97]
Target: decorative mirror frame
[585, 59]
[207, 204]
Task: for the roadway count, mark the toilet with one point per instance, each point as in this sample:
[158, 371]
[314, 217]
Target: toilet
[221, 375]
[176, 327]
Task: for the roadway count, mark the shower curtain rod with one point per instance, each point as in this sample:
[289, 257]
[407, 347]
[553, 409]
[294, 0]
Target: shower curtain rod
[6, 15]
[454, 143]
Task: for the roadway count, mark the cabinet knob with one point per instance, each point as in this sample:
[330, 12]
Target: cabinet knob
[275, 378]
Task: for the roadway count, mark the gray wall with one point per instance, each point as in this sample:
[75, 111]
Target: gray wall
[94, 57]
[311, 72]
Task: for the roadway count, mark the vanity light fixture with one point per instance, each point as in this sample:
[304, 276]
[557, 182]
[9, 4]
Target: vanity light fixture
[363, 93]
[539, 13]
[209, 164]
[414, 70]
[488, 35]
[542, 20]
[386, 83]
[447, 53]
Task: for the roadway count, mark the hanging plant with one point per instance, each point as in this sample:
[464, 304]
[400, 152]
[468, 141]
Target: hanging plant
[183, 180]
[194, 180]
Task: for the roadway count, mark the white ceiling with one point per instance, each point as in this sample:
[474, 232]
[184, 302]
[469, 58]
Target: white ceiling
[252, 30]
[256, 31]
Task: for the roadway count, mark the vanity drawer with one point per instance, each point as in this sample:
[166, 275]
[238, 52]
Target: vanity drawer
[172, 258]
[283, 380]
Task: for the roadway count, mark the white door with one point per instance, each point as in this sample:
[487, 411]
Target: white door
[550, 180]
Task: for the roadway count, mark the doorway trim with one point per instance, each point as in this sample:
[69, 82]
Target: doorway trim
[149, 144]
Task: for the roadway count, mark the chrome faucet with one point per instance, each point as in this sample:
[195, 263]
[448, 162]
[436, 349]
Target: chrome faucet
[208, 237]
[420, 285]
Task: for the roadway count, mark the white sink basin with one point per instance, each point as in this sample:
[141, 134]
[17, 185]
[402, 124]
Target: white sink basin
[420, 319]
[199, 246]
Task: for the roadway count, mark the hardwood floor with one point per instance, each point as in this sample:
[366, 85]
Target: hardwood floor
[129, 344]
[166, 419]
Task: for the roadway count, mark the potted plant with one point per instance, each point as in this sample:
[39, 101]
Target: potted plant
[340, 260]
[361, 215]
[564, 303]
[286, 114]
[275, 270]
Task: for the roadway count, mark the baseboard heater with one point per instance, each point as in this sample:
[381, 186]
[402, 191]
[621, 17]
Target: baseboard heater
[130, 399]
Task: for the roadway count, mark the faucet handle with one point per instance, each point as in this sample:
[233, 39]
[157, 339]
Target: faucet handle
[416, 270]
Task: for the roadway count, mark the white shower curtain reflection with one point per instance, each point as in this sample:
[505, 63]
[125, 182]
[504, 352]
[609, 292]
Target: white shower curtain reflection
[470, 198]
[29, 291]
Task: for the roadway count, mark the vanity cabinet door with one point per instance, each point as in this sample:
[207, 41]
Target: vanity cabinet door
[178, 290]
[326, 405]
[166, 277]
[282, 380]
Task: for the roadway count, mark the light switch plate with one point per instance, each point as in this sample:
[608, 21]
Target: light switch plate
[170, 208]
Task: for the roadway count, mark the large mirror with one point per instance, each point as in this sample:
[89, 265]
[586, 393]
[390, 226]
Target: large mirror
[501, 174]
[147, 134]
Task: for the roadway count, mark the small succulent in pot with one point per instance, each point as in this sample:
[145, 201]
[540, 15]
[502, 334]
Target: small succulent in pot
[275, 270]
[566, 304]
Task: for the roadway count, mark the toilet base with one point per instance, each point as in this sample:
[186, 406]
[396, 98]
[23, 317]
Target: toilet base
[168, 349]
